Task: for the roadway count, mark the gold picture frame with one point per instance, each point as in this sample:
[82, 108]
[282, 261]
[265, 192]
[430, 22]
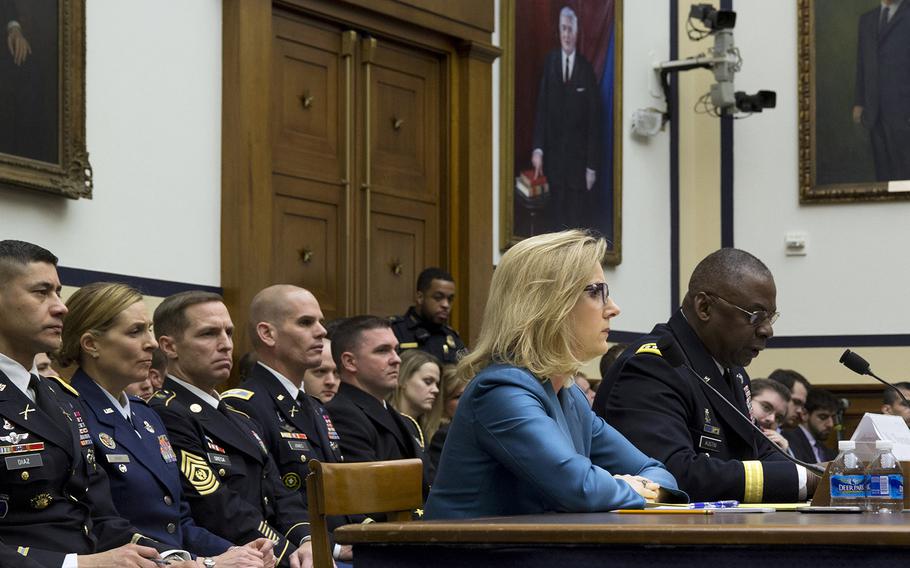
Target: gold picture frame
[46, 152]
[610, 195]
[837, 159]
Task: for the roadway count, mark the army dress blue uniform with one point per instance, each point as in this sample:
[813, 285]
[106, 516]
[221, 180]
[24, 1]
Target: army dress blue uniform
[231, 483]
[296, 427]
[143, 470]
[414, 332]
[671, 415]
[54, 498]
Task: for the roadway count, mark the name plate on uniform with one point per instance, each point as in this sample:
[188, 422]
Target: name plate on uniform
[709, 443]
[22, 462]
[219, 459]
[118, 458]
[299, 445]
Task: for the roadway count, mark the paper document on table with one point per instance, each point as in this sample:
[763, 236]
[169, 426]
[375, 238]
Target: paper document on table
[882, 427]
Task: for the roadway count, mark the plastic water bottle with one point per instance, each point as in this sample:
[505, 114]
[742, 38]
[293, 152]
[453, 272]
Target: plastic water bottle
[848, 476]
[886, 480]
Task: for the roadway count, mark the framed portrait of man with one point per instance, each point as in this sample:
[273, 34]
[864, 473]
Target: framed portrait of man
[42, 97]
[561, 108]
[854, 100]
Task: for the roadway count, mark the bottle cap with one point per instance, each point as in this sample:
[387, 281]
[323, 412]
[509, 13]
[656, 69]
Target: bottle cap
[846, 445]
[884, 444]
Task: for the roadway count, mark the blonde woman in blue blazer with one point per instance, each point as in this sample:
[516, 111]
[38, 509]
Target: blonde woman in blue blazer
[524, 439]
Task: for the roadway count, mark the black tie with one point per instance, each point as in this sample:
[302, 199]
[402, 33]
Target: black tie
[566, 75]
[884, 19]
[47, 406]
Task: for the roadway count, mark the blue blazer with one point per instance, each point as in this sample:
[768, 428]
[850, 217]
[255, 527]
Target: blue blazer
[144, 476]
[515, 447]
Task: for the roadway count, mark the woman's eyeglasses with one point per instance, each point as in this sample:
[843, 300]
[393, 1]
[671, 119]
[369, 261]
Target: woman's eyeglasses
[599, 291]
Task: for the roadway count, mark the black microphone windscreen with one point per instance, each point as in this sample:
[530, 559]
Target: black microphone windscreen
[854, 362]
[670, 351]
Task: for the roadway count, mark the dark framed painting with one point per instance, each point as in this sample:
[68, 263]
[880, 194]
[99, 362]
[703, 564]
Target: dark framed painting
[560, 116]
[42, 97]
[854, 101]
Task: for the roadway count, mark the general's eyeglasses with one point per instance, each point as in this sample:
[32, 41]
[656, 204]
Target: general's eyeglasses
[598, 291]
[756, 318]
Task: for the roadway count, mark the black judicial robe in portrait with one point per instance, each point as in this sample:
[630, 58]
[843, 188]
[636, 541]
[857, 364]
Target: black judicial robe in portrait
[674, 417]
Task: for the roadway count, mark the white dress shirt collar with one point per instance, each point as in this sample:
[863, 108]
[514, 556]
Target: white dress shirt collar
[292, 389]
[18, 374]
[212, 398]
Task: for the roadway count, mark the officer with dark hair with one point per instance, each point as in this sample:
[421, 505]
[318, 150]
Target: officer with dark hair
[425, 325]
[55, 500]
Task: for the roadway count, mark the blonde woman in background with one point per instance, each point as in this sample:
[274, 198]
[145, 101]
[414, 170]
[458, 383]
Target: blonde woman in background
[524, 439]
[453, 386]
[417, 396]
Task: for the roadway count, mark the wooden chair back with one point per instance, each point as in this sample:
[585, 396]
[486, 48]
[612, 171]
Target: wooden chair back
[393, 487]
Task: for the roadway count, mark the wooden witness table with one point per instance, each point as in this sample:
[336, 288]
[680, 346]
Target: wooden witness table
[597, 539]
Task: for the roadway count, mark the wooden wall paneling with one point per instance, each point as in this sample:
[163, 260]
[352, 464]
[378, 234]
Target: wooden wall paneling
[406, 137]
[309, 249]
[472, 260]
[308, 118]
[405, 240]
[246, 158]
[421, 21]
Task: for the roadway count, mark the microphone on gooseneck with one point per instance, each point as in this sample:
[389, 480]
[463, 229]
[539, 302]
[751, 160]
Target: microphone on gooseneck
[673, 355]
[858, 365]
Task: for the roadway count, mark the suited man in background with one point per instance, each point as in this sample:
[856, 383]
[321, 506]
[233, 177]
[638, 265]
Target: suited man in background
[668, 413]
[808, 440]
[365, 350]
[882, 90]
[567, 130]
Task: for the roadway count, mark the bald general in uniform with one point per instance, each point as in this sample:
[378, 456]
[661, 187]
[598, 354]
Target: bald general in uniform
[670, 414]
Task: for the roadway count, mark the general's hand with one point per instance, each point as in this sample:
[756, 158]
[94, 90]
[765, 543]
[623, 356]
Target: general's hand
[266, 547]
[18, 45]
[776, 437]
[858, 114]
[239, 557]
[126, 556]
[641, 485]
[303, 556]
[590, 178]
[537, 162]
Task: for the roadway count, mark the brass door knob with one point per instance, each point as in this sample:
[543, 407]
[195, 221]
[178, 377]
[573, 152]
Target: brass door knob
[306, 255]
[306, 99]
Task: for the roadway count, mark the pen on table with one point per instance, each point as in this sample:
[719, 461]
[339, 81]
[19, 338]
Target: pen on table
[714, 505]
[664, 511]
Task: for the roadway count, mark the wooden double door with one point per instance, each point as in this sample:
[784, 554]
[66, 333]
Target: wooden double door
[358, 143]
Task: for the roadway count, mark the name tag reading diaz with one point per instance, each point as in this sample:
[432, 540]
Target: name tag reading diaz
[709, 443]
[22, 462]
